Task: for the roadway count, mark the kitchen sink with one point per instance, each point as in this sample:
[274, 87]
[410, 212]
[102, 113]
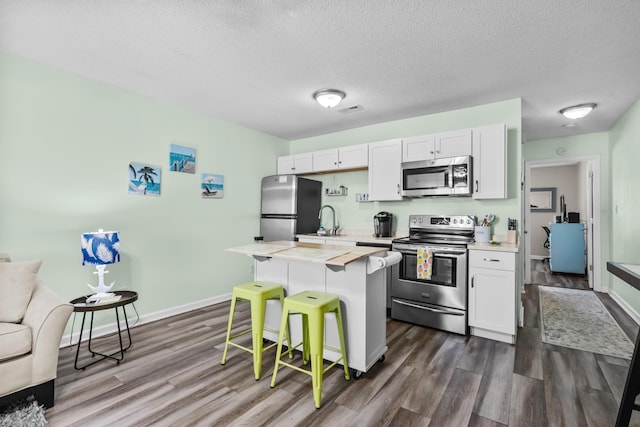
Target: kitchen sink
[322, 235]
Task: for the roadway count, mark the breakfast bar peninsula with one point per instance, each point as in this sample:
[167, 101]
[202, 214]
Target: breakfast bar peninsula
[353, 273]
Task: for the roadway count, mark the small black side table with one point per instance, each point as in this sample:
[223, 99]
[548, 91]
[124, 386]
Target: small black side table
[80, 306]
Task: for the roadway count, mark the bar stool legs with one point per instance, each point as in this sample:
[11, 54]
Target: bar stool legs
[631, 389]
[257, 293]
[312, 306]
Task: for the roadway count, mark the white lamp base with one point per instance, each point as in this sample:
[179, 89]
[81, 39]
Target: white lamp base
[101, 290]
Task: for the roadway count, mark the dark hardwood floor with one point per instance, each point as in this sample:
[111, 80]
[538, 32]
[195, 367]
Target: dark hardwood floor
[540, 274]
[172, 376]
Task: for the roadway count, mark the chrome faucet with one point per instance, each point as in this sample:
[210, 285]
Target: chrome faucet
[334, 226]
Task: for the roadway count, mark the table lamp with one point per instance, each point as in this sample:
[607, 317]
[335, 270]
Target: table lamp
[100, 248]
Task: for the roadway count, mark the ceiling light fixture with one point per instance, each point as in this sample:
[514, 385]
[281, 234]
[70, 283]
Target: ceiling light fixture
[329, 98]
[578, 111]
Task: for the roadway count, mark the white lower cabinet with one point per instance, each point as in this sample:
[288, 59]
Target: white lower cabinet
[362, 299]
[493, 294]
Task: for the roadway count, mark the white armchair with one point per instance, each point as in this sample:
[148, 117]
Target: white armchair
[29, 346]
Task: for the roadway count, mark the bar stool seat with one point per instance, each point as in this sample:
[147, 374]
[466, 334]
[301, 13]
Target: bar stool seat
[257, 293]
[312, 306]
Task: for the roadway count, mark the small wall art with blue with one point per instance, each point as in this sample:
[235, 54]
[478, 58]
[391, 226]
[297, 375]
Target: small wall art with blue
[212, 186]
[182, 159]
[144, 179]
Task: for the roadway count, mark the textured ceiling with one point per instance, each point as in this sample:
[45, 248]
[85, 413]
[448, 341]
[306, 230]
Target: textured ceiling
[257, 62]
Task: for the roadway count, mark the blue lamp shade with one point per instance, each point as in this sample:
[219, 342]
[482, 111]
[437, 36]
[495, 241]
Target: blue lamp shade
[100, 247]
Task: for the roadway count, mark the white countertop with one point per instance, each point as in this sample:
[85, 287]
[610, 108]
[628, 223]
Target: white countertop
[308, 252]
[367, 237]
[357, 236]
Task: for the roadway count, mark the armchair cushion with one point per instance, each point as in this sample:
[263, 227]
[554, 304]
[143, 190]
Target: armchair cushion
[17, 280]
[15, 339]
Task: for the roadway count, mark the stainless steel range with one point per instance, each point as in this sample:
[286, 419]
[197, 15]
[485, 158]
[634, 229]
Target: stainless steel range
[438, 299]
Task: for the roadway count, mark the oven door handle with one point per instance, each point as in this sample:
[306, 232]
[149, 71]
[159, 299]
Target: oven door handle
[449, 254]
[441, 253]
[422, 307]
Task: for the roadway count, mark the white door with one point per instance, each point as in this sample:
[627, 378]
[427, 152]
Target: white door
[589, 224]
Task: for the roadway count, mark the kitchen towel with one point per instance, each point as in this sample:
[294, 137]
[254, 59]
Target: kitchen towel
[424, 263]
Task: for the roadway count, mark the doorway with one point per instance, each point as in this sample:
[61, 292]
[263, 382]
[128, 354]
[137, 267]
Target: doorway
[579, 177]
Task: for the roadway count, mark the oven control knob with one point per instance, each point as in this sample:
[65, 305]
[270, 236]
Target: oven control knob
[455, 221]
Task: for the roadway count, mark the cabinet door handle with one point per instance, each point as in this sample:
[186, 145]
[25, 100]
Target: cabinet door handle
[476, 185]
[490, 260]
[472, 279]
[398, 188]
[431, 152]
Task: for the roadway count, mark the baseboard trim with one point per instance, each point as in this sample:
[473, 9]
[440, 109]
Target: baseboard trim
[68, 340]
[625, 307]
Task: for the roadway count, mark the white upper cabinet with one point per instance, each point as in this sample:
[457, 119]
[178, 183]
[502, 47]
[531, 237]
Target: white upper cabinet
[295, 164]
[385, 173]
[325, 160]
[453, 144]
[418, 148]
[351, 157]
[435, 146]
[490, 162]
[354, 156]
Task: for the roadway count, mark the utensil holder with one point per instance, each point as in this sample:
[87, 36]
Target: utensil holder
[482, 234]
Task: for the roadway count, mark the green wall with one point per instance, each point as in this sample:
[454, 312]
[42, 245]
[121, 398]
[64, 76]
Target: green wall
[65, 146]
[625, 203]
[358, 216]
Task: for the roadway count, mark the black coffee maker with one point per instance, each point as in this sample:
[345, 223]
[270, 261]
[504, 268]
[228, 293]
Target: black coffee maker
[383, 224]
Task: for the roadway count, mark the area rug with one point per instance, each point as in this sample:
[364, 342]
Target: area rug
[24, 413]
[577, 319]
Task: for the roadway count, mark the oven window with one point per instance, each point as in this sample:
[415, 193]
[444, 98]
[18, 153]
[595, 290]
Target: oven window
[443, 271]
[421, 178]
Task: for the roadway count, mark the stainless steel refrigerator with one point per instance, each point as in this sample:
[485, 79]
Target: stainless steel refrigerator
[290, 206]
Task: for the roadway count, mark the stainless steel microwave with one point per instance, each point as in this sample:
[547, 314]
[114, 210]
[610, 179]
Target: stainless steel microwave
[451, 176]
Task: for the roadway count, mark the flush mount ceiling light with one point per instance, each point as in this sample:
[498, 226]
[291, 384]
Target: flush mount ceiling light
[329, 98]
[578, 111]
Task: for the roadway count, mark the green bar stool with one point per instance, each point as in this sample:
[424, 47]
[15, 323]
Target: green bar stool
[312, 306]
[257, 293]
